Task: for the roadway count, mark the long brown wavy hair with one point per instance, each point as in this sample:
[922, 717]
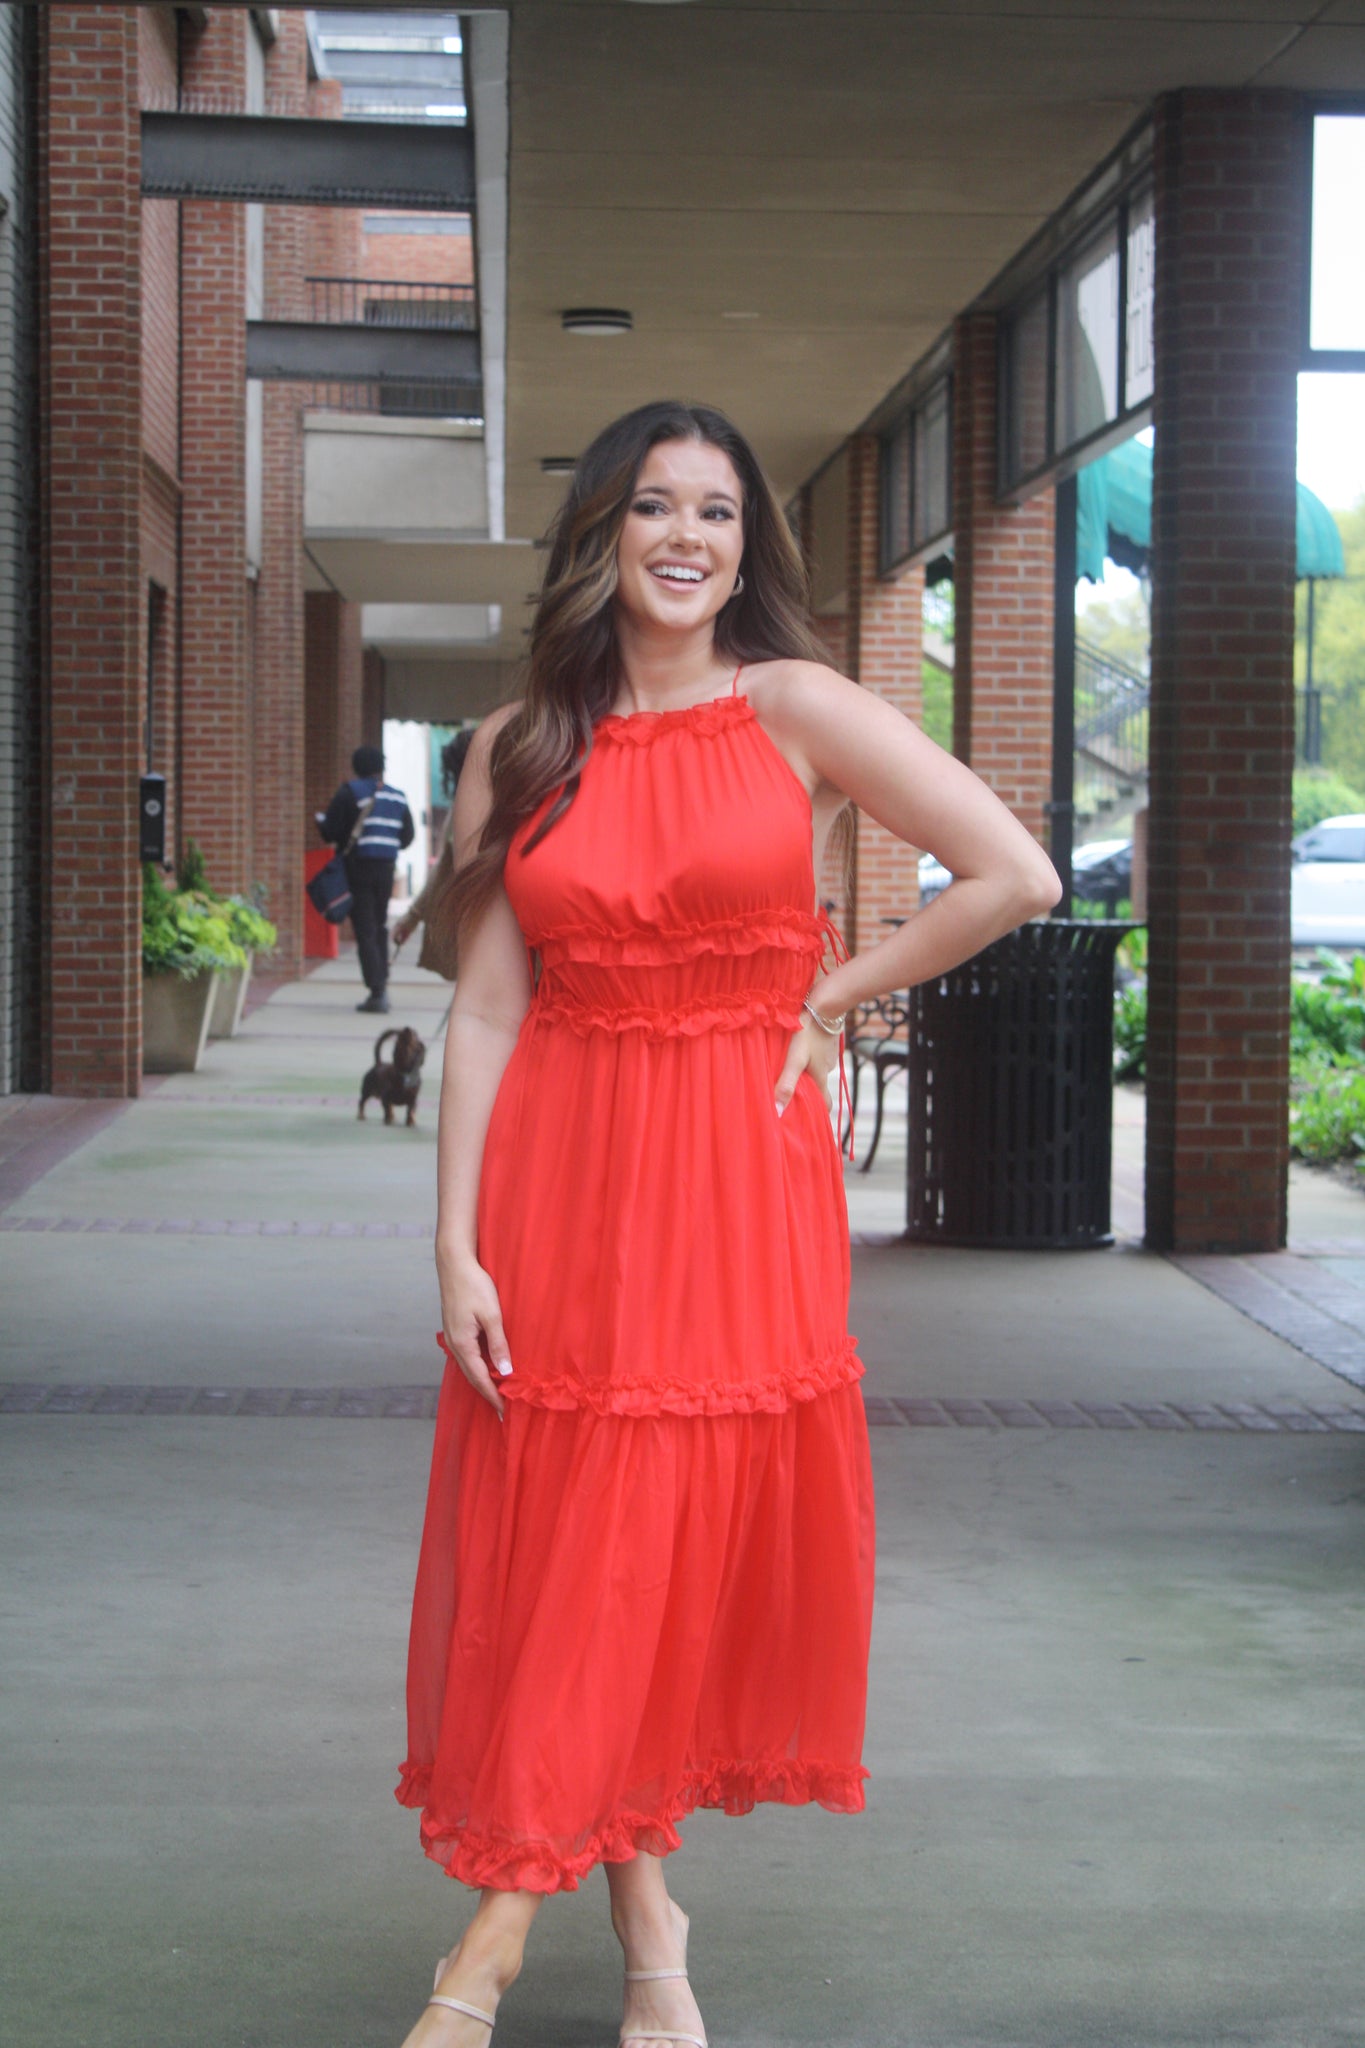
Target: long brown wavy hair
[575, 664]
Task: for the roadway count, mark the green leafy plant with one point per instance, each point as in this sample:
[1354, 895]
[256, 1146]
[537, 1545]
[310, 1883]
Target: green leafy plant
[248, 928]
[183, 933]
[192, 875]
[1319, 794]
[1130, 1032]
[1087, 906]
[251, 929]
[1132, 950]
[1327, 1122]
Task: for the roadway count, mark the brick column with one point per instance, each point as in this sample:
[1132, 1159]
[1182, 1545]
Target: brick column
[1002, 667]
[215, 736]
[372, 695]
[282, 827]
[89, 291]
[161, 482]
[884, 641]
[332, 668]
[1230, 257]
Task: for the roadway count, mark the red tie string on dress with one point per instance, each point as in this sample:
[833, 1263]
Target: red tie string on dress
[841, 953]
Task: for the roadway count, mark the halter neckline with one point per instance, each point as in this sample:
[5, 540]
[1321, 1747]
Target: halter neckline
[731, 696]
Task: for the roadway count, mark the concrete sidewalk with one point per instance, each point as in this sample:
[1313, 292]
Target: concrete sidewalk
[1116, 1734]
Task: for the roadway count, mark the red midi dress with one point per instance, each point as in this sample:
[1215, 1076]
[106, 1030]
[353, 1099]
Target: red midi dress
[650, 1587]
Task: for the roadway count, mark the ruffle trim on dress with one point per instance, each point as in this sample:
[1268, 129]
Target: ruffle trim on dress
[638, 728]
[780, 925]
[661, 1394]
[728, 1012]
[736, 1787]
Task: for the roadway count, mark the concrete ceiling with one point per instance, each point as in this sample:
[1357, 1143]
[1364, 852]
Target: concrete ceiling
[845, 175]
[793, 198]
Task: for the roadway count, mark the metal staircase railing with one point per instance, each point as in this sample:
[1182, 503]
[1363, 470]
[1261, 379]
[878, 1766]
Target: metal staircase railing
[1111, 737]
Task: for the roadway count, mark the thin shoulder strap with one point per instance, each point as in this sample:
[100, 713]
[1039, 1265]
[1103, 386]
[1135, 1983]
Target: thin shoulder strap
[734, 680]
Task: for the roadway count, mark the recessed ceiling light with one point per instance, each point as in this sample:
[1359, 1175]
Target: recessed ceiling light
[558, 465]
[596, 320]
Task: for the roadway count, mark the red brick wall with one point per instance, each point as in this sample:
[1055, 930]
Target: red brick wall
[332, 694]
[157, 75]
[333, 233]
[160, 520]
[350, 688]
[282, 827]
[1230, 262]
[372, 699]
[90, 246]
[424, 259]
[1003, 568]
[885, 631]
[215, 748]
[833, 883]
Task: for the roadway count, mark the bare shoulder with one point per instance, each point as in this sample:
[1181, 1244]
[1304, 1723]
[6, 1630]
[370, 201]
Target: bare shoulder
[799, 703]
[794, 689]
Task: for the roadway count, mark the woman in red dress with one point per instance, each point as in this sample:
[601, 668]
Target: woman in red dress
[645, 1581]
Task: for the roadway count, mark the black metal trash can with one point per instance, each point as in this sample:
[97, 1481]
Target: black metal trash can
[1011, 1091]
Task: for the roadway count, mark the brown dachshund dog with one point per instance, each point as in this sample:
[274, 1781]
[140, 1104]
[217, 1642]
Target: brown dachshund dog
[395, 1082]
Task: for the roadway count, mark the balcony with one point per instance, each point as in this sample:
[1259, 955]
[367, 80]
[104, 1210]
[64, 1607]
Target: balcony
[405, 348]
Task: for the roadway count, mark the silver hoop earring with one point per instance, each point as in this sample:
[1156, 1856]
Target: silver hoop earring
[739, 585]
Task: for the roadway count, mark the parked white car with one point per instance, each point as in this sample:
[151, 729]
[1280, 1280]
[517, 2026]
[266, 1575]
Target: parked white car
[1327, 887]
[1101, 871]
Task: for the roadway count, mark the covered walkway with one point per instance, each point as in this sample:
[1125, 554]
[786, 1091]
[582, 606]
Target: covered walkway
[1117, 1793]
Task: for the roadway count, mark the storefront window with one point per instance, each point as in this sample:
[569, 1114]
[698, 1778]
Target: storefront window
[1337, 305]
[1139, 351]
[1087, 369]
[932, 512]
[1077, 357]
[916, 476]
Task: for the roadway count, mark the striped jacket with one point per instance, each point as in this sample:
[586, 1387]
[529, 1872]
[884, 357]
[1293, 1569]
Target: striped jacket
[386, 830]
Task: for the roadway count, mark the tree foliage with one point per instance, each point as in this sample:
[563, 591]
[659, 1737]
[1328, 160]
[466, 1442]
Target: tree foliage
[1339, 653]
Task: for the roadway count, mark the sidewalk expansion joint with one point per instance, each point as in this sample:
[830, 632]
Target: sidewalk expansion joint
[418, 1403]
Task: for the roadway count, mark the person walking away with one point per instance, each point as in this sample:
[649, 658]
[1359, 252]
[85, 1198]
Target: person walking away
[370, 821]
[438, 952]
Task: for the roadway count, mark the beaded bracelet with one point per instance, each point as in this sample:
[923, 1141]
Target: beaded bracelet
[832, 1026]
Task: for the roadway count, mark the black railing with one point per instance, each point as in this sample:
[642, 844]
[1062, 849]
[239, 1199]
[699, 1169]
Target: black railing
[410, 303]
[391, 302]
[1111, 730]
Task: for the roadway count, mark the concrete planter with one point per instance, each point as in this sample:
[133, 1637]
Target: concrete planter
[230, 985]
[175, 1021]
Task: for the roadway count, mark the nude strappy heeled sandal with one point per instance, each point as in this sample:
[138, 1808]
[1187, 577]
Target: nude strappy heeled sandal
[650, 2033]
[473, 2012]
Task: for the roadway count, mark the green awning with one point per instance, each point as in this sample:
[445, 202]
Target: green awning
[1114, 518]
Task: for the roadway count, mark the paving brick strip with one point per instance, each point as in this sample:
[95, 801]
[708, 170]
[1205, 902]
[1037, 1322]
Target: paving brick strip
[1287, 1293]
[418, 1403]
[189, 1226]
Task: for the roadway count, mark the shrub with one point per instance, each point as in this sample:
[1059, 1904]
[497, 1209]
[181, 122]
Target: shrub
[1319, 794]
[251, 929]
[1130, 1032]
[183, 934]
[248, 928]
[1328, 1121]
[1132, 950]
[192, 875]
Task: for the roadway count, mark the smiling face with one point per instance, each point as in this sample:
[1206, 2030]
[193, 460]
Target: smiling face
[680, 548]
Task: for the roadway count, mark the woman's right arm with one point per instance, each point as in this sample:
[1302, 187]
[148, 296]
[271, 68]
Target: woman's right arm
[492, 994]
